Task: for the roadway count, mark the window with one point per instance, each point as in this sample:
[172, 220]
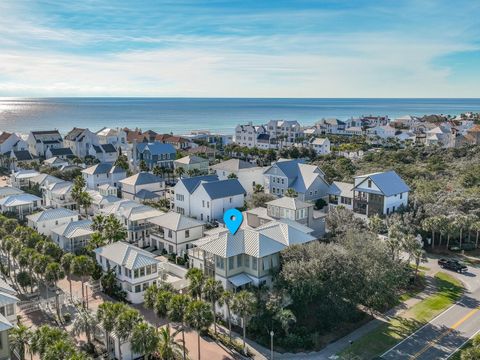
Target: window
[135, 273]
[201, 216]
[239, 260]
[148, 270]
[144, 286]
[208, 204]
[283, 181]
[219, 262]
[401, 195]
[138, 288]
[230, 200]
[231, 264]
[180, 197]
[254, 263]
[369, 183]
[187, 233]
[203, 203]
[169, 233]
[142, 271]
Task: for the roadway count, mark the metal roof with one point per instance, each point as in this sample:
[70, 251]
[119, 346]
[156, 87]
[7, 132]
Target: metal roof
[232, 165]
[18, 200]
[142, 178]
[340, 188]
[192, 182]
[175, 221]
[156, 148]
[74, 229]
[223, 188]
[389, 182]
[61, 151]
[191, 159]
[128, 255]
[8, 190]
[289, 203]
[52, 214]
[102, 168]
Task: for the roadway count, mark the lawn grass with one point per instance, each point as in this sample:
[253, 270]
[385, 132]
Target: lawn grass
[390, 333]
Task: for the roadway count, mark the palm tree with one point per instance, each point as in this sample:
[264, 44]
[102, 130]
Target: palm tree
[462, 223]
[143, 166]
[78, 189]
[258, 188]
[286, 318]
[157, 171]
[82, 266]
[44, 337]
[98, 223]
[19, 338]
[84, 323]
[85, 200]
[160, 306]
[429, 224]
[476, 228]
[96, 241]
[243, 305]
[66, 262]
[126, 321]
[53, 274]
[177, 308]
[196, 278]
[107, 314]
[213, 291]
[199, 317]
[144, 339]
[291, 193]
[168, 347]
[114, 230]
[227, 299]
[179, 171]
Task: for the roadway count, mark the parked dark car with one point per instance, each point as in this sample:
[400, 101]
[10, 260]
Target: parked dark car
[453, 265]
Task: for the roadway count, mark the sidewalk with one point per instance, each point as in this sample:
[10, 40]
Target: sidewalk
[330, 351]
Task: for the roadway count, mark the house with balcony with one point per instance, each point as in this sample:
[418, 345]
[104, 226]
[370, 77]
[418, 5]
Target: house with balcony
[284, 132]
[248, 134]
[59, 195]
[117, 137]
[134, 217]
[55, 162]
[341, 194]
[291, 209]
[40, 141]
[143, 186]
[248, 256]
[73, 236]
[248, 175]
[155, 154]
[44, 221]
[100, 200]
[103, 173]
[20, 204]
[174, 232]
[8, 305]
[206, 198]
[321, 146]
[135, 269]
[80, 140]
[381, 193]
[331, 126]
[308, 181]
[21, 178]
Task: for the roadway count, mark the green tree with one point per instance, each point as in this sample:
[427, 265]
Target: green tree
[179, 171]
[197, 280]
[227, 299]
[143, 166]
[291, 193]
[84, 323]
[243, 305]
[144, 339]
[213, 291]
[53, 274]
[82, 266]
[126, 321]
[286, 318]
[66, 262]
[114, 230]
[107, 315]
[168, 347]
[78, 189]
[177, 308]
[44, 337]
[199, 317]
[19, 338]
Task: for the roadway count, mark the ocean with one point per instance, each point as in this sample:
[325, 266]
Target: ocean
[181, 115]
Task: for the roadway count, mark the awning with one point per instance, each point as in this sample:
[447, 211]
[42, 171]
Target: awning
[240, 279]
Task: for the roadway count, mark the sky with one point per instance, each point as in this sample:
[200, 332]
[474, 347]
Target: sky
[260, 48]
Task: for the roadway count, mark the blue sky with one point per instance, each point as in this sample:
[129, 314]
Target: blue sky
[421, 48]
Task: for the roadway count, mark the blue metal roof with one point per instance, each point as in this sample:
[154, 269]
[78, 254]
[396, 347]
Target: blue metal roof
[223, 188]
[156, 148]
[192, 183]
[389, 182]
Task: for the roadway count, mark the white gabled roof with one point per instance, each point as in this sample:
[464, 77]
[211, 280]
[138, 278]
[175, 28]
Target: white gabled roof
[175, 221]
[131, 210]
[265, 240]
[25, 174]
[74, 229]
[289, 203]
[128, 255]
[191, 159]
[51, 214]
[60, 188]
[9, 190]
[19, 199]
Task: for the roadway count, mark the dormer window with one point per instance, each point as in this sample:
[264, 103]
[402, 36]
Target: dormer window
[369, 183]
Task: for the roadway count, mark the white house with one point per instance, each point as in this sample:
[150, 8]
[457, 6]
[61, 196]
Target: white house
[40, 141]
[206, 197]
[134, 217]
[73, 236]
[174, 232]
[63, 153]
[341, 193]
[283, 131]
[135, 269]
[331, 126]
[247, 135]
[100, 200]
[249, 256]
[11, 141]
[55, 162]
[8, 308]
[379, 193]
[21, 178]
[8, 191]
[117, 137]
[143, 186]
[20, 204]
[17, 158]
[383, 132]
[247, 174]
[59, 195]
[103, 173]
[45, 221]
[307, 180]
[80, 140]
[104, 152]
[320, 145]
[191, 163]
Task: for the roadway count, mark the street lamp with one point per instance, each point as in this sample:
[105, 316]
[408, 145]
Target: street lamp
[271, 344]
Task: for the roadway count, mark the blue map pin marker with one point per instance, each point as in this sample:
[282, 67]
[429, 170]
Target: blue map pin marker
[233, 219]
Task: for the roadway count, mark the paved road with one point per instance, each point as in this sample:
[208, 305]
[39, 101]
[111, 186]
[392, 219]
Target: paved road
[442, 336]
